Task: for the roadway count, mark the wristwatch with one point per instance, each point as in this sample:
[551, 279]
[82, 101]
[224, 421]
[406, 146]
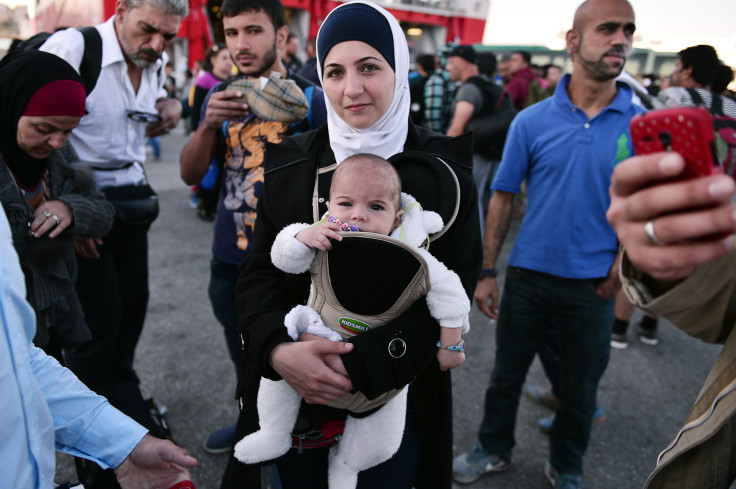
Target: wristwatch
[488, 272]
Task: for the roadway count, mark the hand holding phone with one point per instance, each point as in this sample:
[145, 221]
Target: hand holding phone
[685, 130]
[691, 217]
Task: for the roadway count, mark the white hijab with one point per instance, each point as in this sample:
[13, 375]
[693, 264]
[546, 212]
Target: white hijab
[387, 136]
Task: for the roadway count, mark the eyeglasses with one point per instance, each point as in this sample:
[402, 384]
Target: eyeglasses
[139, 116]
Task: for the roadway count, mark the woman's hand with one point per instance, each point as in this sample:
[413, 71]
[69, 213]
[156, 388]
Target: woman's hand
[52, 215]
[87, 247]
[682, 215]
[306, 367]
[332, 361]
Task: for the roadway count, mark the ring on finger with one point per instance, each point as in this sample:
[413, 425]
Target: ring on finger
[46, 213]
[649, 231]
[55, 218]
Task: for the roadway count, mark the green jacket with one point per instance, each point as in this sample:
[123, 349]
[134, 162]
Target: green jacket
[703, 454]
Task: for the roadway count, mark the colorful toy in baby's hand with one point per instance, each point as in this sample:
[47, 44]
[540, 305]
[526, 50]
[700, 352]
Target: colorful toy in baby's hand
[343, 226]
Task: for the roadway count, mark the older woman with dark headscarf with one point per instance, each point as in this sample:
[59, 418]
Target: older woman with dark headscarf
[47, 202]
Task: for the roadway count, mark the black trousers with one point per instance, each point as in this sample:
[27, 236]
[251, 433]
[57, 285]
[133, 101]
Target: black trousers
[113, 291]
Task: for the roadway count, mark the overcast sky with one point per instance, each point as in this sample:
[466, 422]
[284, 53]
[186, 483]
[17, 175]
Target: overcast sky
[538, 21]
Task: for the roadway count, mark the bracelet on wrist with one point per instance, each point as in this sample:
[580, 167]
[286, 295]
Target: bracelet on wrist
[488, 272]
[459, 347]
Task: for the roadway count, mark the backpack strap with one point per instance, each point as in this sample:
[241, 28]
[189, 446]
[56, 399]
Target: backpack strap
[697, 99]
[716, 105]
[490, 92]
[321, 187]
[91, 65]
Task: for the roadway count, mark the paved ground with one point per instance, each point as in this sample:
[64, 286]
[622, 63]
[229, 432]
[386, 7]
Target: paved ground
[183, 362]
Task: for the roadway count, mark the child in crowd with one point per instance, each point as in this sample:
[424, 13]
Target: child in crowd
[365, 197]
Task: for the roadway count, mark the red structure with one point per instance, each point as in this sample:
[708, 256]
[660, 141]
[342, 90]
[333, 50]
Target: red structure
[465, 30]
[195, 28]
[443, 20]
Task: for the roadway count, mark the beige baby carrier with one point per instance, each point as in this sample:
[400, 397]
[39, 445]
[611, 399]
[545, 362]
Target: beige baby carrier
[348, 293]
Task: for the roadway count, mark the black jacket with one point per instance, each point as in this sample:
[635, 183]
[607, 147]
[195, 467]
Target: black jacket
[50, 264]
[265, 294]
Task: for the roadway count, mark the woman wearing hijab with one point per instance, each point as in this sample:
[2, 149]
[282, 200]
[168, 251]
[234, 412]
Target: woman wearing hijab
[46, 201]
[363, 62]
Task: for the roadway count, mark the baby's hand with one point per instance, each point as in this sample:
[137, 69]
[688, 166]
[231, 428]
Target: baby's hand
[450, 359]
[318, 237]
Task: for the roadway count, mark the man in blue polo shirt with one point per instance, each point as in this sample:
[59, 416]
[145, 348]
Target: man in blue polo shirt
[563, 263]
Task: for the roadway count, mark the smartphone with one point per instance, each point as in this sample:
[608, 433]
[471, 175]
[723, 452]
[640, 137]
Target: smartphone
[686, 130]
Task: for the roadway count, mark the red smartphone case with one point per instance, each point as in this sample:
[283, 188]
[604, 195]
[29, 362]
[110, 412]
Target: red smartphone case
[687, 130]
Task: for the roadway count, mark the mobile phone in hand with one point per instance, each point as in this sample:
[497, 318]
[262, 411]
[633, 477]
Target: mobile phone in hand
[686, 130]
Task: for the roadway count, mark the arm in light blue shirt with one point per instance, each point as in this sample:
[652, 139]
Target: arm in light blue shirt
[44, 405]
[85, 424]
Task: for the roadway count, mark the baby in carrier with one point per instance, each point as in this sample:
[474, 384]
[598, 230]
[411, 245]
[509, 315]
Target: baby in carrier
[365, 203]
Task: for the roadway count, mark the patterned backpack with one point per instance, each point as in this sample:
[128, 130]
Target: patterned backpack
[725, 128]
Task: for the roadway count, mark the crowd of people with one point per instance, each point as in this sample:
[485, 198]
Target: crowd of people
[311, 162]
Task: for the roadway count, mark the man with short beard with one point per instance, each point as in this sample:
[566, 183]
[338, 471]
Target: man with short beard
[255, 34]
[113, 272]
[563, 265]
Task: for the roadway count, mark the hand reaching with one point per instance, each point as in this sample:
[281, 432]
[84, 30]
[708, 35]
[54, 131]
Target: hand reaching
[154, 464]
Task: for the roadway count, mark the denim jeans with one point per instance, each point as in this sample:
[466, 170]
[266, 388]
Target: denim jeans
[155, 144]
[549, 356]
[223, 278]
[584, 319]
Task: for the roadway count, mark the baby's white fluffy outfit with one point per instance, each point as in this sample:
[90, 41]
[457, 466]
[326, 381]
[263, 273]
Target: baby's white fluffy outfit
[370, 440]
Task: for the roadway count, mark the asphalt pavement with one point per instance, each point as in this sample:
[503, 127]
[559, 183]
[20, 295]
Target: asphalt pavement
[183, 363]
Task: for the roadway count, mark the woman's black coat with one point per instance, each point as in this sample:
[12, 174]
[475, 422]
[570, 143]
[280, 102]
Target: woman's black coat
[265, 294]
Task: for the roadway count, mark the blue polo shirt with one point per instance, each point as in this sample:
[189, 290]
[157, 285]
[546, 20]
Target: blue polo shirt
[567, 160]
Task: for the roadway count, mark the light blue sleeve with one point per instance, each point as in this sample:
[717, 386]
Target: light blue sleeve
[85, 424]
[44, 405]
[43, 402]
